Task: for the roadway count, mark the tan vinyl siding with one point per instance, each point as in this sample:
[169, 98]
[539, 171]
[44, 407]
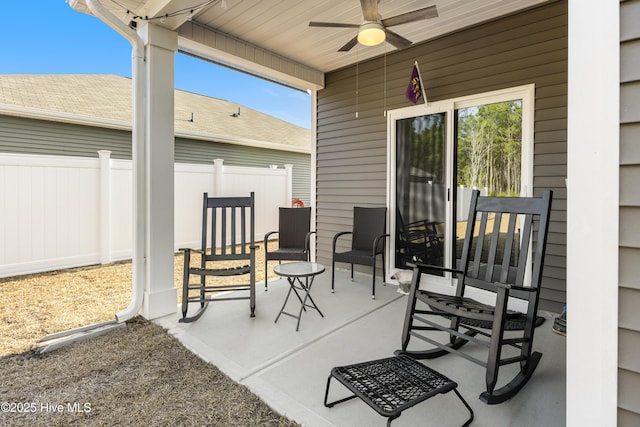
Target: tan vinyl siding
[529, 47]
[30, 136]
[192, 151]
[628, 419]
[629, 237]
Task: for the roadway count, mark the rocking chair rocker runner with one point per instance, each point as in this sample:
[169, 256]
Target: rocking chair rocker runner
[499, 237]
[224, 225]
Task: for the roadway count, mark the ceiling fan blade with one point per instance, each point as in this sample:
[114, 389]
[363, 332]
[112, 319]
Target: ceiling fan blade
[332, 24]
[416, 15]
[369, 9]
[350, 44]
[396, 40]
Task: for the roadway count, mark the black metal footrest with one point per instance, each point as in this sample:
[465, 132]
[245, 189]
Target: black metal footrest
[391, 385]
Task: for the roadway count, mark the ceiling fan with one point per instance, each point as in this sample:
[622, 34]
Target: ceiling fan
[374, 30]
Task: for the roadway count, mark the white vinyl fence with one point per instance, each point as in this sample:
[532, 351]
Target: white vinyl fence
[60, 212]
[464, 200]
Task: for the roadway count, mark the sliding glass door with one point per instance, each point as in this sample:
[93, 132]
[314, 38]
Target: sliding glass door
[420, 156]
[421, 188]
[439, 153]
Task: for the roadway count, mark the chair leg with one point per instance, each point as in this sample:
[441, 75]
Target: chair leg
[373, 281]
[326, 396]
[509, 390]
[252, 283]
[203, 293]
[384, 270]
[464, 402]
[493, 396]
[333, 274]
[411, 306]
[497, 333]
[266, 270]
[185, 283]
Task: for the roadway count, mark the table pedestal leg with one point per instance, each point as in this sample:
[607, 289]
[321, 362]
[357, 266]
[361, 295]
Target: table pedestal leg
[306, 287]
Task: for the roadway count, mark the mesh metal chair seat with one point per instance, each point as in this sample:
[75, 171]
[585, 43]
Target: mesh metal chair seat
[391, 385]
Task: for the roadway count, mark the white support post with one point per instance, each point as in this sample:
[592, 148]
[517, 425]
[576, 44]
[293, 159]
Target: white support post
[160, 297]
[593, 204]
[289, 191]
[105, 206]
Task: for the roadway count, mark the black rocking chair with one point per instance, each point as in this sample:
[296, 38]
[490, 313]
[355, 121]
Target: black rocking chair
[294, 234]
[499, 238]
[418, 241]
[227, 224]
[368, 240]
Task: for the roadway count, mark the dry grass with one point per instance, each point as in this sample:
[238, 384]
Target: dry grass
[40, 304]
[136, 375]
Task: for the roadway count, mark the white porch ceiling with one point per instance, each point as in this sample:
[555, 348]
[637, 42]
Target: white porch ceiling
[280, 27]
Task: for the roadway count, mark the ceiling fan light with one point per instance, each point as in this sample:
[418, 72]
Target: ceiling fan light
[371, 34]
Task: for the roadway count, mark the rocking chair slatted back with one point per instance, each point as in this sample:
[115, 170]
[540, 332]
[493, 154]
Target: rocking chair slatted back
[227, 228]
[497, 244]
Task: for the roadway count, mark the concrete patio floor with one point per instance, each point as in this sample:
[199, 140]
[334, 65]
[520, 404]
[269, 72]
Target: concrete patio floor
[289, 369]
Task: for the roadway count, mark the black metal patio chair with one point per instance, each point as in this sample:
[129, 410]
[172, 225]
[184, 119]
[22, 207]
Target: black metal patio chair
[294, 234]
[368, 239]
[501, 234]
[228, 229]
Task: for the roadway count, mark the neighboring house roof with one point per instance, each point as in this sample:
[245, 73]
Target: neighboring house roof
[105, 100]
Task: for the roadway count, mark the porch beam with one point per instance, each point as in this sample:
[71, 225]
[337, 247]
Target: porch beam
[212, 45]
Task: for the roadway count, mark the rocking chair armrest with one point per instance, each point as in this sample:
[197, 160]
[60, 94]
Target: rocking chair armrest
[190, 250]
[186, 252]
[422, 265]
[515, 287]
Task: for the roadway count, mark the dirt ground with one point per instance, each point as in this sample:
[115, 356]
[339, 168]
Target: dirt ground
[134, 375]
